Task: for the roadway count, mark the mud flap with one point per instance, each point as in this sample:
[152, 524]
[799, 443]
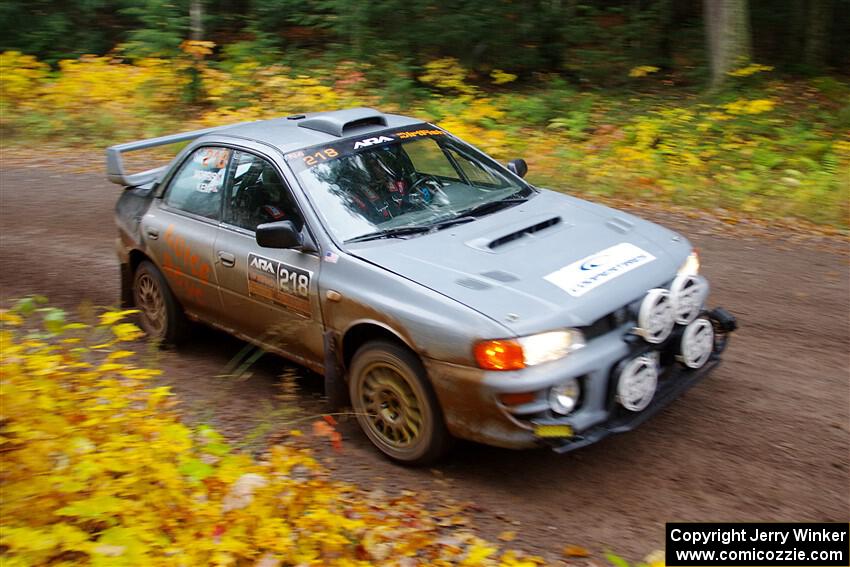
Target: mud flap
[336, 390]
[126, 286]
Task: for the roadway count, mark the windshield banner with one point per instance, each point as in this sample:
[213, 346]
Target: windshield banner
[313, 156]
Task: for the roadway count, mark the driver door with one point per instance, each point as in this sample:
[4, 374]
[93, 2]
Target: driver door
[270, 295]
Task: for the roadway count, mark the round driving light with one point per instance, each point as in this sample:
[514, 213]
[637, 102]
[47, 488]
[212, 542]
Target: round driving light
[563, 398]
[697, 343]
[688, 293]
[655, 317]
[637, 382]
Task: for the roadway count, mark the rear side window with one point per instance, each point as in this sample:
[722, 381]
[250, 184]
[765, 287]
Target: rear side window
[198, 186]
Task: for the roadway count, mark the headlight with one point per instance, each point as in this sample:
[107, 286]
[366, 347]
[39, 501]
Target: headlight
[691, 265]
[563, 398]
[513, 354]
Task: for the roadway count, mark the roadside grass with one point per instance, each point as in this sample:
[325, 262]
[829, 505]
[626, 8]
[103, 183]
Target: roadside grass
[764, 148]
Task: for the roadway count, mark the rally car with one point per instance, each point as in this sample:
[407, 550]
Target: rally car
[436, 291]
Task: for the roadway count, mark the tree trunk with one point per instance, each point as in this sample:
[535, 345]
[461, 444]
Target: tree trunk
[196, 20]
[795, 43]
[817, 34]
[727, 25]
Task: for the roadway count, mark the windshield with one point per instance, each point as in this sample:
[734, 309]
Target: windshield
[402, 180]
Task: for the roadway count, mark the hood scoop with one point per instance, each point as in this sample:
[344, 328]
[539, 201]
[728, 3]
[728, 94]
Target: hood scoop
[493, 244]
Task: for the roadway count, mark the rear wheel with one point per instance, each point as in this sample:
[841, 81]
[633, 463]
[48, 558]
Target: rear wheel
[395, 404]
[160, 316]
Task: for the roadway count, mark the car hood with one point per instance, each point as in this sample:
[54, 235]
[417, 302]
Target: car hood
[554, 261]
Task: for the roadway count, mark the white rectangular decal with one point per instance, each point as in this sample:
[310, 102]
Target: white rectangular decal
[588, 273]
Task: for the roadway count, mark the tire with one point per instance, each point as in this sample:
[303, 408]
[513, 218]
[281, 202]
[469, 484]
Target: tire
[395, 404]
[160, 316]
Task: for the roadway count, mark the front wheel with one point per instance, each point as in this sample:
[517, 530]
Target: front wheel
[395, 404]
[160, 316]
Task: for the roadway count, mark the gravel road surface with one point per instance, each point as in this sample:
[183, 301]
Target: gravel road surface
[765, 438]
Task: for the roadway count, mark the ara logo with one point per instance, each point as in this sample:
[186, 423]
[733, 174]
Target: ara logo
[262, 264]
[371, 142]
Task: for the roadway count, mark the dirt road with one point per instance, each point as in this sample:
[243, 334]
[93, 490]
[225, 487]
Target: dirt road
[764, 438]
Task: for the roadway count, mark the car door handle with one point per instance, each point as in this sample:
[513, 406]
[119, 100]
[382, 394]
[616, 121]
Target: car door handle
[227, 259]
[153, 233]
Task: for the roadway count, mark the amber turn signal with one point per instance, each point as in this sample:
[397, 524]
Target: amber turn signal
[499, 355]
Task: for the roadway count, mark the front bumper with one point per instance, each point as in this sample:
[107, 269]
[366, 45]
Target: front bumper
[623, 421]
[472, 404]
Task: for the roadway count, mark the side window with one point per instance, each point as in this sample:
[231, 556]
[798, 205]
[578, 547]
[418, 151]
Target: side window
[258, 195]
[198, 186]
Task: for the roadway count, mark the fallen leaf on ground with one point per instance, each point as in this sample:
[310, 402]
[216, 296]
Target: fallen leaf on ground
[576, 551]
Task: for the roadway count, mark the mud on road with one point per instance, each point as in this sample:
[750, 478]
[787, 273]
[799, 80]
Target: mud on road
[766, 437]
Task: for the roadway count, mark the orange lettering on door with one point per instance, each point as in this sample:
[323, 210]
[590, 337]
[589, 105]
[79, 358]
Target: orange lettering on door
[179, 262]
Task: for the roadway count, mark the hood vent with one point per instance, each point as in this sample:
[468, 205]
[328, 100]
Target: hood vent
[502, 240]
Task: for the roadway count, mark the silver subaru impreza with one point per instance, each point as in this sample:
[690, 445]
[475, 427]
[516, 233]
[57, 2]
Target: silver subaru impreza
[435, 290]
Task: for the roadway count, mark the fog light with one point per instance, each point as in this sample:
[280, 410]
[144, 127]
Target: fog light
[564, 397]
[688, 294]
[656, 317]
[697, 344]
[637, 382]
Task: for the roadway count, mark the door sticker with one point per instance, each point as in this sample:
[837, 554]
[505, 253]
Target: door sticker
[186, 270]
[591, 272]
[280, 283]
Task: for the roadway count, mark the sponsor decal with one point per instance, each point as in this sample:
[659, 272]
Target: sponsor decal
[418, 133]
[372, 141]
[187, 271]
[593, 271]
[279, 283]
[208, 181]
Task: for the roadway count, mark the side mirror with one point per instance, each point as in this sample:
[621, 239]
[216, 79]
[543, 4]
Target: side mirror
[518, 167]
[281, 234]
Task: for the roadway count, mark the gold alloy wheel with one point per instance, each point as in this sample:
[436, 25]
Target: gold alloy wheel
[393, 411]
[150, 302]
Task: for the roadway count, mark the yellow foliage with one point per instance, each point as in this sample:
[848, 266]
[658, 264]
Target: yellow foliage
[749, 70]
[501, 77]
[490, 140]
[449, 75]
[642, 71]
[594, 143]
[98, 470]
[249, 91]
[20, 75]
[197, 49]
[743, 106]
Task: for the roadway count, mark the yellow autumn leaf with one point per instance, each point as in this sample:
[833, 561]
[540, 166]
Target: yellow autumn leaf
[126, 332]
[10, 318]
[112, 317]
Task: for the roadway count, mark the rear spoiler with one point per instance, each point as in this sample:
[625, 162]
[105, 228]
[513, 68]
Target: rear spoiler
[115, 167]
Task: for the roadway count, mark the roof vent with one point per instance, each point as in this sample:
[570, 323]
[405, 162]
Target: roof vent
[341, 121]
